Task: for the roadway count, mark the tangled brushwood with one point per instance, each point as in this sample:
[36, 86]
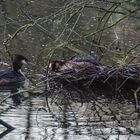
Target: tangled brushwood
[122, 83]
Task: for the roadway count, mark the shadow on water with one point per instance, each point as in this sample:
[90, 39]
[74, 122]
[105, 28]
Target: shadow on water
[67, 117]
[73, 112]
[8, 127]
[28, 125]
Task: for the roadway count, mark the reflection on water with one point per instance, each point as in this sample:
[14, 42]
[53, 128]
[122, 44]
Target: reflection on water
[69, 120]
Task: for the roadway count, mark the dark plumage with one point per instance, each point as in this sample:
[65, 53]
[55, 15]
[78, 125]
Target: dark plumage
[132, 72]
[77, 63]
[14, 77]
[85, 59]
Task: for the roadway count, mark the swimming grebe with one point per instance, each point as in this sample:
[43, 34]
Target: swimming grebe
[14, 77]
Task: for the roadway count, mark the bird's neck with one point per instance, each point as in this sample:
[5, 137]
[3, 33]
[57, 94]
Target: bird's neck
[17, 70]
[17, 66]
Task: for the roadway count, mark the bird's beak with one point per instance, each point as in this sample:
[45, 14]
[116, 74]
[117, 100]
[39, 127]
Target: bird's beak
[27, 62]
[24, 62]
[30, 63]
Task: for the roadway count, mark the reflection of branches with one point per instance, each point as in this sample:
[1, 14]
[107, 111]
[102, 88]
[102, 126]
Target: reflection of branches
[28, 124]
[121, 19]
[104, 119]
[31, 19]
[105, 10]
[91, 34]
[22, 28]
[114, 7]
[81, 9]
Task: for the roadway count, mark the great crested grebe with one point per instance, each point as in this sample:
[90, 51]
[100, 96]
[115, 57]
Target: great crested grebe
[15, 76]
[77, 63]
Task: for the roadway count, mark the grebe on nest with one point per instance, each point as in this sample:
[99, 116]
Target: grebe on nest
[77, 63]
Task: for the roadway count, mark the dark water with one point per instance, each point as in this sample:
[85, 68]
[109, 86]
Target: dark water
[61, 120]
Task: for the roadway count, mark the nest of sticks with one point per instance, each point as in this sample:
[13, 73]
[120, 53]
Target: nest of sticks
[111, 82]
